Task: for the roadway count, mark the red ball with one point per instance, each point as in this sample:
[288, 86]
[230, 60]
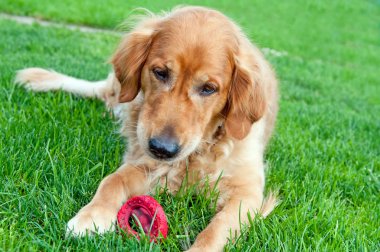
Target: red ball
[147, 210]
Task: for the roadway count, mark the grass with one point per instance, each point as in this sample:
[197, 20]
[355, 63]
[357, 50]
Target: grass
[324, 157]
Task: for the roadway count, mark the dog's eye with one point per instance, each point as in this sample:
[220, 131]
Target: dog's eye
[161, 74]
[207, 89]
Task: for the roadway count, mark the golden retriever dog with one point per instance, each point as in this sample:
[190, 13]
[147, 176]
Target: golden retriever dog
[195, 97]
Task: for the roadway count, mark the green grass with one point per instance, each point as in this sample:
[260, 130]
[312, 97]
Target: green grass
[324, 157]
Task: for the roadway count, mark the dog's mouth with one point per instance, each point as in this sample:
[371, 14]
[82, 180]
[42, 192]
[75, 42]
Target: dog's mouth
[162, 158]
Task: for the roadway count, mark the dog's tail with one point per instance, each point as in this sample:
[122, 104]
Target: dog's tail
[269, 203]
[42, 80]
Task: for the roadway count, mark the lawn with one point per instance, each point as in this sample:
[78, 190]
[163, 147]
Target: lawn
[324, 157]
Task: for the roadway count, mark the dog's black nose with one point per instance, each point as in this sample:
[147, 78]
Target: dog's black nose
[163, 147]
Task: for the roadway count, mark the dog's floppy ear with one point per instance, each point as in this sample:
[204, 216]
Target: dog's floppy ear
[246, 100]
[130, 58]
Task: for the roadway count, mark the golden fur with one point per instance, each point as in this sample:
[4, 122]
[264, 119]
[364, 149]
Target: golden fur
[221, 135]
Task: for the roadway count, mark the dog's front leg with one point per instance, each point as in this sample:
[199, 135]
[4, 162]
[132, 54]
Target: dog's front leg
[100, 214]
[243, 197]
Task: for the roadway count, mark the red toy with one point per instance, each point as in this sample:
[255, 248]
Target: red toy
[146, 209]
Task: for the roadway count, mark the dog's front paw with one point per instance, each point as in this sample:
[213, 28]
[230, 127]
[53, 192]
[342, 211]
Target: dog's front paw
[90, 220]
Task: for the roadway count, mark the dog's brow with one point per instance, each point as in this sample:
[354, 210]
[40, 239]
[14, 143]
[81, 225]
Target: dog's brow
[204, 78]
[208, 78]
[162, 63]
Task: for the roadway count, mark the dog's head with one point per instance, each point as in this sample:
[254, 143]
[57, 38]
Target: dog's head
[195, 69]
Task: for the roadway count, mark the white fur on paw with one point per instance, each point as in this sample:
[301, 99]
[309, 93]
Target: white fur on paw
[86, 222]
